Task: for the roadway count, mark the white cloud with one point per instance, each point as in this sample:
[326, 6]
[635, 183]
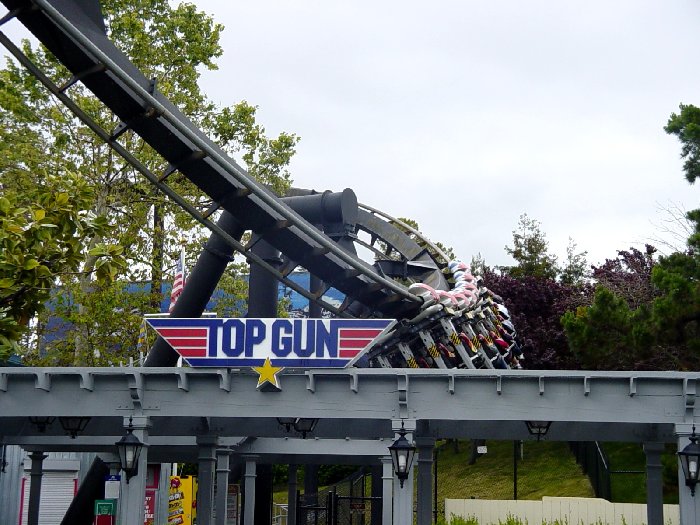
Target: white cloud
[462, 115]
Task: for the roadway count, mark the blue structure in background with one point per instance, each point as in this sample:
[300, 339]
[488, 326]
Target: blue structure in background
[13, 360]
[298, 306]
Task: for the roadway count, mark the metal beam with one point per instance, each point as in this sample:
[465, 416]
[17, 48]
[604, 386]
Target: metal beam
[438, 396]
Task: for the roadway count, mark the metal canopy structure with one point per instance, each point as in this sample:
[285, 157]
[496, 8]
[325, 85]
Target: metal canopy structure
[359, 410]
[354, 404]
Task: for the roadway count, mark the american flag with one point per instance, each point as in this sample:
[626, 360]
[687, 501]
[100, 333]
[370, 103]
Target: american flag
[179, 282]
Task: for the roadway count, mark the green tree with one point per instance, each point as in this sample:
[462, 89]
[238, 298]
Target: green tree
[575, 269]
[530, 251]
[478, 265]
[652, 319]
[659, 332]
[606, 335]
[267, 159]
[40, 241]
[39, 136]
[676, 311]
[686, 126]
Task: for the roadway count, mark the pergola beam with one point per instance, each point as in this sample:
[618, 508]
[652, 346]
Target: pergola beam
[358, 394]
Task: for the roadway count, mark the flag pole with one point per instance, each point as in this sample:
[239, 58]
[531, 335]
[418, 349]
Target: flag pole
[179, 279]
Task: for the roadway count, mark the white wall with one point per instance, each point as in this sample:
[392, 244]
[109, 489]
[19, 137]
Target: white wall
[589, 511]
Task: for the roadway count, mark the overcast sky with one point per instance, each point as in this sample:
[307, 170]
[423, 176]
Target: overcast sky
[463, 115]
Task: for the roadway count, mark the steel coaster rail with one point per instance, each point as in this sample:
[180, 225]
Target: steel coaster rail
[223, 162]
[148, 174]
[410, 229]
[370, 247]
[398, 241]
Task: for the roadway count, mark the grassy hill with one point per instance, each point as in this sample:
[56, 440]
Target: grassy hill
[628, 479]
[546, 469]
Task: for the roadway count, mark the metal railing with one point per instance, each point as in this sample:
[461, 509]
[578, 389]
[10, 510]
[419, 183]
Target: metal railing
[280, 512]
[596, 465]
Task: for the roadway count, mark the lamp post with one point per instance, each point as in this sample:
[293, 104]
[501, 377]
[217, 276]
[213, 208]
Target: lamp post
[129, 448]
[690, 459]
[402, 453]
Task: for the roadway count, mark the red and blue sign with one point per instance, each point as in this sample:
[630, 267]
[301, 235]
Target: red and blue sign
[304, 343]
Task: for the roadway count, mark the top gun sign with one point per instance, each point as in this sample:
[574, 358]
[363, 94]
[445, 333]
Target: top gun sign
[304, 343]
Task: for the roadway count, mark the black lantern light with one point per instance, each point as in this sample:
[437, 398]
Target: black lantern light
[74, 425]
[305, 425]
[287, 422]
[129, 448]
[41, 422]
[690, 459]
[402, 453]
[538, 428]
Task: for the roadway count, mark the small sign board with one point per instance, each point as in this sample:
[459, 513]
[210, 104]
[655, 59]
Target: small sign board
[112, 486]
[105, 507]
[149, 507]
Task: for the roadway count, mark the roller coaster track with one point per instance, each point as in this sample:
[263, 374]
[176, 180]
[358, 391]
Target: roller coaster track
[74, 32]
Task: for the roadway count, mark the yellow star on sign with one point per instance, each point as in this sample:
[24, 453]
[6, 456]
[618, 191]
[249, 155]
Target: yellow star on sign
[268, 373]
